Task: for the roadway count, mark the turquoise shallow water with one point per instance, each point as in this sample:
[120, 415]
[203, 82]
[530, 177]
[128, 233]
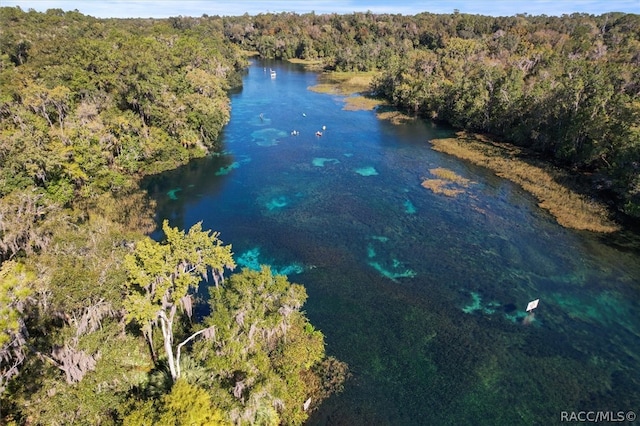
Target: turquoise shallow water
[423, 295]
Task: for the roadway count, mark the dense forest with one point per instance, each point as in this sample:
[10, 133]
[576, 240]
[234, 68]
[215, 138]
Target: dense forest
[97, 321]
[96, 318]
[567, 87]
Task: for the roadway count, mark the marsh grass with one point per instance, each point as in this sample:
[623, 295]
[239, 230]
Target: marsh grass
[359, 103]
[305, 61]
[571, 209]
[447, 183]
[344, 83]
[348, 84]
[309, 64]
[395, 117]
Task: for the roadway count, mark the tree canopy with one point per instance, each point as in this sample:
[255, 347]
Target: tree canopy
[87, 108]
[566, 87]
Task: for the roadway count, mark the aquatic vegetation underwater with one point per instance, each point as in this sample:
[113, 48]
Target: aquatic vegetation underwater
[570, 208]
[447, 182]
[268, 137]
[423, 295]
[226, 170]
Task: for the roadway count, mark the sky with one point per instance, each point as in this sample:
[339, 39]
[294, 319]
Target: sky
[167, 8]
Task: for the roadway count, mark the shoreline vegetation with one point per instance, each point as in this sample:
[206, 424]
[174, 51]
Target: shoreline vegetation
[356, 87]
[88, 108]
[565, 88]
[570, 209]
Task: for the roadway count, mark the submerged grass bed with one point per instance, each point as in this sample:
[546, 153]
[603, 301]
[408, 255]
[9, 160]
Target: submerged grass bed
[450, 175]
[571, 210]
[447, 183]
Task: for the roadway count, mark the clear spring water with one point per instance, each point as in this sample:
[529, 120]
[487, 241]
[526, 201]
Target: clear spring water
[423, 295]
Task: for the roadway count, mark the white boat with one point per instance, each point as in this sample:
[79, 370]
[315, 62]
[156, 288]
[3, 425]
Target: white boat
[273, 73]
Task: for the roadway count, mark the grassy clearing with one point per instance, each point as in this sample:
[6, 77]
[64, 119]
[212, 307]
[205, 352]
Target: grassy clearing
[448, 182]
[571, 210]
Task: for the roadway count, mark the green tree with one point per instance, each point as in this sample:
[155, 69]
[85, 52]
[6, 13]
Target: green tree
[263, 356]
[15, 280]
[161, 277]
[185, 405]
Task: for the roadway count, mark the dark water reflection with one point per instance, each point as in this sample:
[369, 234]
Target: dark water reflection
[423, 295]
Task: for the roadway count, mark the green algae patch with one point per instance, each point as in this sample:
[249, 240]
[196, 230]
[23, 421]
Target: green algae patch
[569, 208]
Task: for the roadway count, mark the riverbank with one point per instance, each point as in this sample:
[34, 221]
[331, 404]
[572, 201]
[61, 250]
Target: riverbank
[356, 86]
[570, 209]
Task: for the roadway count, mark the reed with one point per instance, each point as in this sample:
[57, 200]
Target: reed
[570, 209]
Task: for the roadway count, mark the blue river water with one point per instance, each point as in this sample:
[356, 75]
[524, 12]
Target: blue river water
[422, 294]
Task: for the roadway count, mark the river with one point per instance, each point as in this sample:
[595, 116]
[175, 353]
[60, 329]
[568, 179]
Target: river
[422, 294]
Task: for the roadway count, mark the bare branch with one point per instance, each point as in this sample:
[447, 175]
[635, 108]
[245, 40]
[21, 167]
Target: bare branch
[207, 334]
